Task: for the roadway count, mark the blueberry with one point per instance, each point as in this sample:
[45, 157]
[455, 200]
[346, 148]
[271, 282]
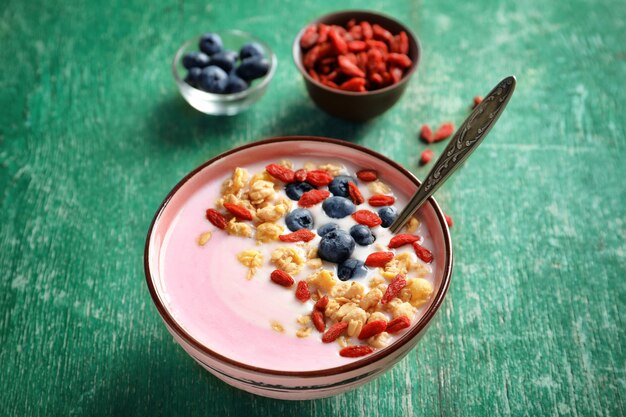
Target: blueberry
[210, 43]
[251, 50]
[253, 68]
[213, 79]
[328, 227]
[193, 76]
[195, 59]
[362, 235]
[339, 185]
[351, 268]
[336, 246]
[338, 207]
[299, 219]
[235, 84]
[296, 189]
[388, 215]
[225, 60]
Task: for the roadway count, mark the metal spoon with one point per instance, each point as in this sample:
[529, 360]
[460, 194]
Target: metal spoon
[463, 142]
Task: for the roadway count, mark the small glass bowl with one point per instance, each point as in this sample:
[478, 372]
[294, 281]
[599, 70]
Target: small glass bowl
[222, 104]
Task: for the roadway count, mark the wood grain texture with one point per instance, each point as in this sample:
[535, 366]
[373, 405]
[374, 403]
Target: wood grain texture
[93, 134]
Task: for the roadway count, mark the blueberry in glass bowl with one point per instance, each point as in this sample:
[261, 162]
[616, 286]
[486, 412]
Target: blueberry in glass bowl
[214, 79]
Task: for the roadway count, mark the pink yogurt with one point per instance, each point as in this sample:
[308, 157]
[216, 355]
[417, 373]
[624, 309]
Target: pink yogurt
[206, 291]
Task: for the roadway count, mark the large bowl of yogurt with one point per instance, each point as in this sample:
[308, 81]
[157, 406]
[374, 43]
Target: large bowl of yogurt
[273, 267]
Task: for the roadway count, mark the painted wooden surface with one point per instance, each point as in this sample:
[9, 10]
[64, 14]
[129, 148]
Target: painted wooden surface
[93, 134]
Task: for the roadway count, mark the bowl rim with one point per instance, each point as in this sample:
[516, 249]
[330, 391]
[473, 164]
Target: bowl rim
[297, 54]
[367, 360]
[225, 97]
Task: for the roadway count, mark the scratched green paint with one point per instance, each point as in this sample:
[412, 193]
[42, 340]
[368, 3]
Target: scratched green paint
[93, 135]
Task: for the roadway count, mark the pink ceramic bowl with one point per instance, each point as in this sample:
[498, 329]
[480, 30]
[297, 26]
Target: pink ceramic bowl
[309, 384]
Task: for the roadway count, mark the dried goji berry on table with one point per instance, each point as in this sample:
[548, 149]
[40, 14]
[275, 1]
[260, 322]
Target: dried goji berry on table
[402, 239]
[372, 329]
[393, 289]
[355, 194]
[380, 200]
[302, 291]
[239, 212]
[281, 278]
[317, 317]
[444, 132]
[318, 178]
[426, 133]
[355, 351]
[378, 259]
[280, 172]
[334, 332]
[422, 253]
[398, 324]
[367, 175]
[313, 197]
[426, 156]
[216, 218]
[366, 217]
[302, 235]
[449, 220]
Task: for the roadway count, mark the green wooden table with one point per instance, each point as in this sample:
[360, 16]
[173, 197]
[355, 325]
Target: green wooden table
[93, 134]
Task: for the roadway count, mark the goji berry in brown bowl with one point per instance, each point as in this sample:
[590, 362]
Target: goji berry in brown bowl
[356, 64]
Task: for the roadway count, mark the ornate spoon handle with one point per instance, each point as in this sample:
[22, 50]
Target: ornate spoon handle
[465, 140]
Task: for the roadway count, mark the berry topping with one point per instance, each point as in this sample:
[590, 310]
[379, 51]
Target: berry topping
[336, 246]
[351, 268]
[338, 207]
[295, 190]
[362, 235]
[299, 219]
[339, 185]
[328, 227]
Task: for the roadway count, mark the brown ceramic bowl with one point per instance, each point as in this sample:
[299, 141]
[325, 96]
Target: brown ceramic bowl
[352, 105]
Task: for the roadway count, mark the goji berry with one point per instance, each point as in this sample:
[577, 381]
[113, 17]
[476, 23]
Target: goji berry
[322, 30]
[375, 62]
[357, 33]
[318, 178]
[444, 131]
[402, 239]
[426, 156]
[400, 60]
[381, 33]
[396, 74]
[321, 303]
[302, 235]
[351, 23]
[239, 212]
[449, 220]
[376, 78]
[354, 84]
[216, 218]
[381, 46]
[313, 197]
[426, 133]
[356, 46]
[300, 175]
[404, 43]
[334, 332]
[330, 84]
[355, 194]
[380, 200]
[477, 100]
[367, 175]
[398, 324]
[349, 68]
[368, 33]
[378, 259]
[281, 173]
[314, 74]
[309, 37]
[317, 317]
[372, 329]
[367, 218]
[393, 289]
[337, 41]
[281, 278]
[423, 253]
[302, 291]
[355, 351]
